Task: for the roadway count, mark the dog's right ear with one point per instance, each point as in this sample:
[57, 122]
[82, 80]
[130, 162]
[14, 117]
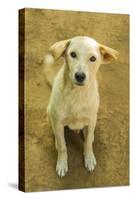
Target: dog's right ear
[56, 51]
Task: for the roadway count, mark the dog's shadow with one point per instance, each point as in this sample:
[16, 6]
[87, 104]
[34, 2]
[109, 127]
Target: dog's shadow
[74, 140]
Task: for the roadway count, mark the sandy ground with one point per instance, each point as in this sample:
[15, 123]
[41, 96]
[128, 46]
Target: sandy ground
[43, 28]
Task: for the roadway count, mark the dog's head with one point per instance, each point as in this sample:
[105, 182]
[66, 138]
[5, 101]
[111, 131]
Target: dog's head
[83, 56]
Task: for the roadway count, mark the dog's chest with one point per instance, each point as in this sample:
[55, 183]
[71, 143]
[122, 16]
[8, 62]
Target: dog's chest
[78, 105]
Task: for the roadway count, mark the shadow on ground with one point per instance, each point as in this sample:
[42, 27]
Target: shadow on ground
[13, 185]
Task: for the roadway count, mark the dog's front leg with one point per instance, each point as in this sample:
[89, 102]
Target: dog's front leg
[89, 158]
[62, 165]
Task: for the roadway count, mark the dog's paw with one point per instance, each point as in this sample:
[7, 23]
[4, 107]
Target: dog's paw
[90, 162]
[61, 168]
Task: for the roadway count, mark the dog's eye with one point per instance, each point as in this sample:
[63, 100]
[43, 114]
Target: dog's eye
[92, 58]
[73, 54]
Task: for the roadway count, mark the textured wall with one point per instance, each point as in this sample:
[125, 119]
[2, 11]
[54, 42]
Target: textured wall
[43, 28]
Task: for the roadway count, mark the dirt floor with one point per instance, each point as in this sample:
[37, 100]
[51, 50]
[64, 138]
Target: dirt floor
[43, 28]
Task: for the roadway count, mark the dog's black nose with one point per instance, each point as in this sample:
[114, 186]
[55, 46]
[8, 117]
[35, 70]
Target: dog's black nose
[80, 77]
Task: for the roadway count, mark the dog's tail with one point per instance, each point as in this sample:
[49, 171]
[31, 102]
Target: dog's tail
[51, 67]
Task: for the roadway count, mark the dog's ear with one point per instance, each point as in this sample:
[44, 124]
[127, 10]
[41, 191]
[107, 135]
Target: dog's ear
[56, 51]
[108, 54]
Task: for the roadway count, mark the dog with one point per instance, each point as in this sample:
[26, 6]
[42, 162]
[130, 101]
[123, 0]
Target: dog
[74, 99]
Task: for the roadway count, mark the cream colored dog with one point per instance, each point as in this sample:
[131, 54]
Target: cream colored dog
[74, 99]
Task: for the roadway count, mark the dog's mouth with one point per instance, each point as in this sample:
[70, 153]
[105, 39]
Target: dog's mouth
[79, 84]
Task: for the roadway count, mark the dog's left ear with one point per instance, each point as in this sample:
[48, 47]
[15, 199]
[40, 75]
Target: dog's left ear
[108, 54]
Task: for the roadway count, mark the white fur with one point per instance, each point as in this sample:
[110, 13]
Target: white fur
[73, 105]
[49, 59]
